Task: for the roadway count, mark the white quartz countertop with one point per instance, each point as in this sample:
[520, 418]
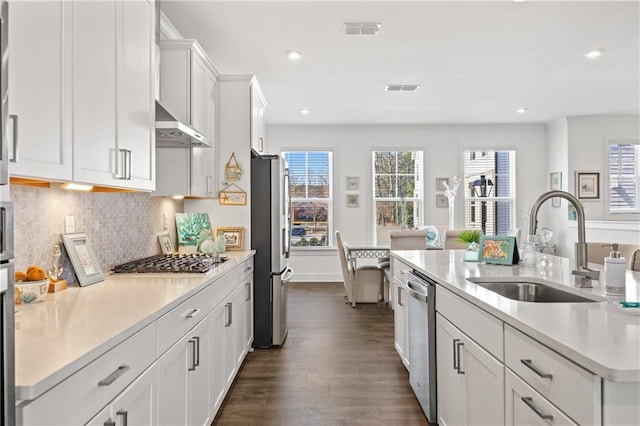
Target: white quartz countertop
[69, 329]
[598, 336]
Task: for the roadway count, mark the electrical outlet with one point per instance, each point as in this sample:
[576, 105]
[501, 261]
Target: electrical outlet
[165, 221]
[69, 224]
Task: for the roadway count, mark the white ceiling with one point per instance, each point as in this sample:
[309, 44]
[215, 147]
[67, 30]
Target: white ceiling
[476, 62]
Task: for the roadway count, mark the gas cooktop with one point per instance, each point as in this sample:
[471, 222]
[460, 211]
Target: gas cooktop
[172, 262]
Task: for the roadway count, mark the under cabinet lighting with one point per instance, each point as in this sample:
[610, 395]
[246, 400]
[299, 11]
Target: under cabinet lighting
[76, 186]
[177, 197]
[592, 54]
[294, 55]
[521, 110]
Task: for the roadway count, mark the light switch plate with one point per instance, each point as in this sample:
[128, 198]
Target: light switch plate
[69, 225]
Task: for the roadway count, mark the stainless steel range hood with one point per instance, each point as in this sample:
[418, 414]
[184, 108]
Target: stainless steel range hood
[173, 133]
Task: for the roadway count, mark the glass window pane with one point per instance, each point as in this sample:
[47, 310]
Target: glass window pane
[624, 173]
[385, 186]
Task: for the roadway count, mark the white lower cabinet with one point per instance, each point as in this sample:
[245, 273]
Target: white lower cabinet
[470, 380]
[136, 405]
[234, 334]
[218, 368]
[248, 314]
[184, 384]
[400, 316]
[524, 406]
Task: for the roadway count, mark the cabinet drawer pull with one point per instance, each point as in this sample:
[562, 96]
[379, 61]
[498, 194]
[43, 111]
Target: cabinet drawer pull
[402, 271]
[248, 287]
[109, 423]
[527, 363]
[248, 268]
[529, 401]
[124, 415]
[197, 360]
[456, 366]
[114, 376]
[193, 365]
[193, 313]
[458, 346]
[14, 119]
[400, 296]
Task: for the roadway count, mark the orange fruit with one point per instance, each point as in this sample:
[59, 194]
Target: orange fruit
[20, 276]
[36, 274]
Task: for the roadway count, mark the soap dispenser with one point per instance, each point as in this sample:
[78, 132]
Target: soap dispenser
[614, 272]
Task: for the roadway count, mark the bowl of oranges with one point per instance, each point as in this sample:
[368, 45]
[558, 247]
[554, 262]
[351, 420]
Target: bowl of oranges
[31, 286]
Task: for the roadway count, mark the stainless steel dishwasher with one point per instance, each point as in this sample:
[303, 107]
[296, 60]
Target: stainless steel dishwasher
[422, 341]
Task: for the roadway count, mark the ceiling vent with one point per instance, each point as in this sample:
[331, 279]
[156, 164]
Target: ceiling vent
[353, 28]
[402, 87]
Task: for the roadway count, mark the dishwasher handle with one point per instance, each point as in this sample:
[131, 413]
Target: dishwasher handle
[417, 291]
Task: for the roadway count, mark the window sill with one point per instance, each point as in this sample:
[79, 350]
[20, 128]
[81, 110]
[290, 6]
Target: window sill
[617, 225]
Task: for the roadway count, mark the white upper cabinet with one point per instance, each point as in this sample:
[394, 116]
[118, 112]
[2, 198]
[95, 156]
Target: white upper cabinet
[113, 62]
[258, 107]
[39, 103]
[89, 115]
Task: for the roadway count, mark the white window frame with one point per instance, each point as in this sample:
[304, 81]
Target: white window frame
[617, 140]
[330, 215]
[512, 173]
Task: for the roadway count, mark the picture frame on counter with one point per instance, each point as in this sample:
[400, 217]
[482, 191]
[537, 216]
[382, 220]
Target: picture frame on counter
[233, 236]
[165, 243]
[83, 258]
[498, 250]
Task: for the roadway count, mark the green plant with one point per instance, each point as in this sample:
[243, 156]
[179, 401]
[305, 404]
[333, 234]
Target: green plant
[469, 236]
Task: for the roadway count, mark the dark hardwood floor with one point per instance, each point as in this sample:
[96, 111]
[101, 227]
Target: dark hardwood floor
[338, 366]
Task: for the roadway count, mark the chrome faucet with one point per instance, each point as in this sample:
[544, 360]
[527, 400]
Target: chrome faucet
[583, 274]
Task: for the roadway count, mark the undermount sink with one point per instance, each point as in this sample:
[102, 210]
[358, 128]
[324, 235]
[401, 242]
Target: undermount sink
[527, 291]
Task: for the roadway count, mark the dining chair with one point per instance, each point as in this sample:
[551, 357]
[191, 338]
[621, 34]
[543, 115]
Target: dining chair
[366, 279]
[450, 237]
[597, 251]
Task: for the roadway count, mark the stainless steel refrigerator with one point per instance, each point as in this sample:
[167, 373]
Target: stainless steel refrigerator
[270, 238]
[7, 391]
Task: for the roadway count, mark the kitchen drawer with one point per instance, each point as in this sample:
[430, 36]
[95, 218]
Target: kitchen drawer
[484, 329]
[173, 325]
[524, 406]
[245, 268]
[79, 397]
[571, 388]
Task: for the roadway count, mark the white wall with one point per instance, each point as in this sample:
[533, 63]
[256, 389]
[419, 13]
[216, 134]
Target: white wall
[579, 144]
[443, 146]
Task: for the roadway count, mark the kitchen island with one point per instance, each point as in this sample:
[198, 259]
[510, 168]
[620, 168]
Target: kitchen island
[597, 339]
[129, 324]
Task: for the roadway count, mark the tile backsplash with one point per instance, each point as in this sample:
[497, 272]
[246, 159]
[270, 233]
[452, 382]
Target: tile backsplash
[120, 226]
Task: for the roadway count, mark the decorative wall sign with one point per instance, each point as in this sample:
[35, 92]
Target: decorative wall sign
[233, 169]
[83, 258]
[353, 200]
[229, 197]
[499, 250]
[233, 237]
[588, 185]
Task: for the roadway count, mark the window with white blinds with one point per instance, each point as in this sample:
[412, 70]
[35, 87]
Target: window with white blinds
[397, 191]
[311, 197]
[624, 177]
[489, 182]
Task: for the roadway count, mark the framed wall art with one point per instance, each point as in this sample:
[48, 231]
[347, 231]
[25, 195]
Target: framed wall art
[555, 184]
[353, 200]
[440, 181]
[498, 250]
[232, 195]
[233, 237]
[83, 258]
[353, 182]
[442, 201]
[588, 185]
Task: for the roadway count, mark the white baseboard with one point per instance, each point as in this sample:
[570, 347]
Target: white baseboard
[316, 277]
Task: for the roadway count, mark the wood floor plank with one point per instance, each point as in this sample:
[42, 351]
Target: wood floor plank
[338, 366]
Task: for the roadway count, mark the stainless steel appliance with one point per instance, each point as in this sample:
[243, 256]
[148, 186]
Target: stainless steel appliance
[7, 391]
[171, 262]
[422, 341]
[271, 239]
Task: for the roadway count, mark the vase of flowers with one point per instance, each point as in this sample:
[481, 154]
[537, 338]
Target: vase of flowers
[472, 238]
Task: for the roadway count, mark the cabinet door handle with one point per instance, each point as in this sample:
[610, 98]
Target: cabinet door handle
[527, 363]
[248, 287]
[458, 346]
[192, 367]
[122, 171]
[14, 119]
[529, 401]
[128, 158]
[228, 308]
[124, 415]
[209, 184]
[109, 423]
[400, 296]
[247, 269]
[402, 271]
[261, 144]
[113, 376]
[193, 313]
[197, 360]
[456, 366]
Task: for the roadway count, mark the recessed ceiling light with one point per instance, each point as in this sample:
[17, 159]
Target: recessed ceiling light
[355, 28]
[305, 111]
[592, 54]
[294, 55]
[521, 110]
